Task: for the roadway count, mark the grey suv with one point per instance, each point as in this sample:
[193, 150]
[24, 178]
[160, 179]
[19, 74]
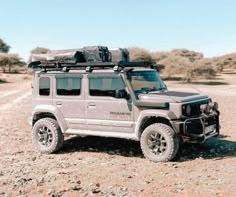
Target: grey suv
[121, 100]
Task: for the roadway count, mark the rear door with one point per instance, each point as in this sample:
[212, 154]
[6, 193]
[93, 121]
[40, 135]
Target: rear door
[43, 94]
[69, 99]
[105, 112]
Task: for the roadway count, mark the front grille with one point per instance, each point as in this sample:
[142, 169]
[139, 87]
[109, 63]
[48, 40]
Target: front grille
[195, 108]
[194, 127]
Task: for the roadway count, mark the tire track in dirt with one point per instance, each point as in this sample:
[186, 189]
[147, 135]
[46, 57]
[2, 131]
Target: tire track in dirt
[15, 101]
[2, 95]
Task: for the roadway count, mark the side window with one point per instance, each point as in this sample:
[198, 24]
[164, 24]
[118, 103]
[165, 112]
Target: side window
[44, 86]
[67, 86]
[105, 86]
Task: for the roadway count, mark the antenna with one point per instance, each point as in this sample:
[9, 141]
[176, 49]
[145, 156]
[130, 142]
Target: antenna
[191, 85]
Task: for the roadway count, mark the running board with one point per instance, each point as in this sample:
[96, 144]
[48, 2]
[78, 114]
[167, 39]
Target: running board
[131, 136]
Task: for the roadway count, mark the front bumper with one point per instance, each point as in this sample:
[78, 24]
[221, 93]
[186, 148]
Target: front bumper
[198, 129]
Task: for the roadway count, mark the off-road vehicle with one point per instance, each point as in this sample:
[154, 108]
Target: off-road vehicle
[122, 100]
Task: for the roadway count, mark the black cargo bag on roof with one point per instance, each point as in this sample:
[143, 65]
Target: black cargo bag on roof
[96, 54]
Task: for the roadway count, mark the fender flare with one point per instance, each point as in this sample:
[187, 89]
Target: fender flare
[152, 113]
[52, 110]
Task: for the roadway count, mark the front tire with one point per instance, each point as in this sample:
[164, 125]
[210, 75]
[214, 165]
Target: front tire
[159, 143]
[47, 135]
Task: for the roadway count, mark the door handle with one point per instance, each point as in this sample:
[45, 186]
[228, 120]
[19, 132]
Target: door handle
[91, 105]
[59, 103]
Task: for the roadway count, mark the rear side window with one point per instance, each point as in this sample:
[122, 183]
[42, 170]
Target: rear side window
[67, 86]
[105, 86]
[44, 86]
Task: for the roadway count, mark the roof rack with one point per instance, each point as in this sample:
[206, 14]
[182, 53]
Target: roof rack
[52, 65]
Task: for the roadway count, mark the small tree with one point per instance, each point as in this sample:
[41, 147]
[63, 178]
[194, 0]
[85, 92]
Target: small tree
[9, 61]
[39, 50]
[4, 48]
[3, 61]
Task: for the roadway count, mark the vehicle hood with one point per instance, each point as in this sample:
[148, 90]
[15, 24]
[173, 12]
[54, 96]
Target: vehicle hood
[172, 96]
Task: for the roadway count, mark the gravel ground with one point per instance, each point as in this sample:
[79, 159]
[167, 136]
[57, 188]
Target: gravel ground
[94, 166]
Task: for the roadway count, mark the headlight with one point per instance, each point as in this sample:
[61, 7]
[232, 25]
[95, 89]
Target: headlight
[188, 110]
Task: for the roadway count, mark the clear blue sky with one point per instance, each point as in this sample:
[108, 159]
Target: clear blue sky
[208, 26]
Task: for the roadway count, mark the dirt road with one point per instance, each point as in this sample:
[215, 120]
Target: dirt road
[95, 166]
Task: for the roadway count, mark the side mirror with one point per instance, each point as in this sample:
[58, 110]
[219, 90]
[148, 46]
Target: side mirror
[121, 93]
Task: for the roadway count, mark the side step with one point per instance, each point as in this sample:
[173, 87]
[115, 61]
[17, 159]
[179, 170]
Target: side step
[130, 136]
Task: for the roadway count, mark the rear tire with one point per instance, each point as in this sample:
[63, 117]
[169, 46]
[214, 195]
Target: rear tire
[159, 143]
[47, 135]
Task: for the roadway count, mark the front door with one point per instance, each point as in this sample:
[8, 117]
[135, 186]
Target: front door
[104, 111]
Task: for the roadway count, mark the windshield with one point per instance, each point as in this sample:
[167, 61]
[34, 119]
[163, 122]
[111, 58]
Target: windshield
[144, 82]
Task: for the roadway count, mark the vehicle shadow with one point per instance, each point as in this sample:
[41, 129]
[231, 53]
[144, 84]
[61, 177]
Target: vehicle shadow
[210, 83]
[112, 146]
[216, 148]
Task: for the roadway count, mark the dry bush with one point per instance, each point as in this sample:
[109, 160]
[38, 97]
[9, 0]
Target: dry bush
[201, 72]
[193, 56]
[225, 62]
[39, 50]
[186, 64]
[8, 61]
[158, 56]
[175, 65]
[139, 54]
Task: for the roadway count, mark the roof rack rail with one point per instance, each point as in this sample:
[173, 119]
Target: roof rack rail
[52, 65]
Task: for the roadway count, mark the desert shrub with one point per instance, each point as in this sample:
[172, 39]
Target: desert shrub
[175, 65]
[139, 54]
[39, 50]
[201, 72]
[191, 55]
[178, 63]
[158, 56]
[185, 64]
[9, 61]
[159, 67]
[217, 63]
[225, 62]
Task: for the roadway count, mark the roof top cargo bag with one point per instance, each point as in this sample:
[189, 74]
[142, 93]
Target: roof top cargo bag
[87, 54]
[119, 55]
[96, 54]
[69, 55]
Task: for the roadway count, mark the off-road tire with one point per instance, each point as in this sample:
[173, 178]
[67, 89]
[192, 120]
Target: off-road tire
[164, 148]
[54, 133]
